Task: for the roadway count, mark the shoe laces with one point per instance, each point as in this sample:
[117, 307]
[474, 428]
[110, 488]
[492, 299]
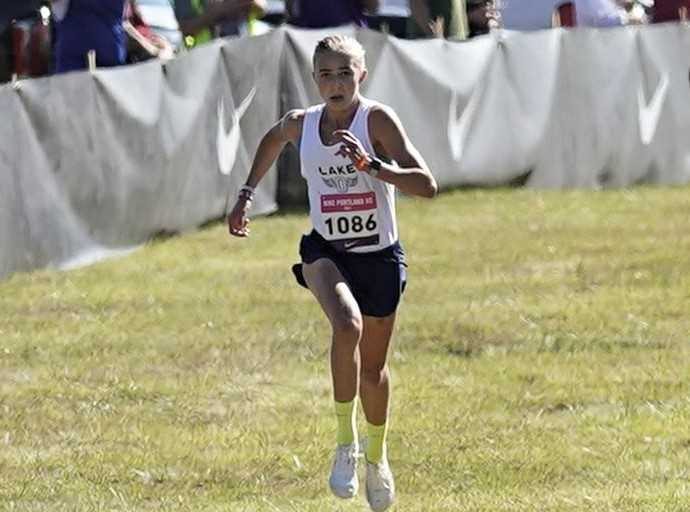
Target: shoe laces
[346, 455]
[382, 472]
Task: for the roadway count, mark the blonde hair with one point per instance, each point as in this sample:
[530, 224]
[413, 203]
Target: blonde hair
[344, 45]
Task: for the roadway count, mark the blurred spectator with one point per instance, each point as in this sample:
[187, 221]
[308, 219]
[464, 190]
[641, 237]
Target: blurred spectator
[635, 12]
[142, 42]
[564, 15]
[25, 39]
[84, 25]
[598, 13]
[538, 14]
[671, 10]
[391, 17]
[438, 18]
[203, 20]
[481, 16]
[528, 14]
[159, 16]
[16, 10]
[329, 13]
[5, 67]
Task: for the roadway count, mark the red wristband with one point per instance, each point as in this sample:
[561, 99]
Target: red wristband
[362, 164]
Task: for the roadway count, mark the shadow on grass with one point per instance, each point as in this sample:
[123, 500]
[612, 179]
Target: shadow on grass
[283, 212]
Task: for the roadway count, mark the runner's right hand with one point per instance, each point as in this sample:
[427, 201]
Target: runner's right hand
[238, 223]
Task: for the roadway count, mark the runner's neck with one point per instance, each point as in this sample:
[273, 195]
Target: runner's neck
[341, 120]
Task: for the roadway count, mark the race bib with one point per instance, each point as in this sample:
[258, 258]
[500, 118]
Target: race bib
[351, 218]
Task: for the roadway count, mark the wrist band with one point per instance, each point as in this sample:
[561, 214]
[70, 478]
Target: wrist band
[246, 192]
[362, 164]
[374, 167]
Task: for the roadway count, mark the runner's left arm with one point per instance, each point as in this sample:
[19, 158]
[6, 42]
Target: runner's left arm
[409, 172]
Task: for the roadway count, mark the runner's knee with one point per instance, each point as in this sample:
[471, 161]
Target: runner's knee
[347, 326]
[374, 375]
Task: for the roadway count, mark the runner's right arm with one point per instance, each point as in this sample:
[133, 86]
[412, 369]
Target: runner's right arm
[288, 129]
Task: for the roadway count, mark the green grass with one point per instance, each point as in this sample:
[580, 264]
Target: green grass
[540, 363]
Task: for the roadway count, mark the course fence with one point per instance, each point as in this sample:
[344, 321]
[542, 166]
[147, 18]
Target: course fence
[94, 162]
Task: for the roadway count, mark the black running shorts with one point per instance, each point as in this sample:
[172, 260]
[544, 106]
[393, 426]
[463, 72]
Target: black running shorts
[377, 279]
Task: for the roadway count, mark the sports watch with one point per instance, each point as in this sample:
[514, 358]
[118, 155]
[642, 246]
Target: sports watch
[374, 167]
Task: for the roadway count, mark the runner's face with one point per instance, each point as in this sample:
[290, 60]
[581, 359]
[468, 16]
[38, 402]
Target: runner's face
[338, 77]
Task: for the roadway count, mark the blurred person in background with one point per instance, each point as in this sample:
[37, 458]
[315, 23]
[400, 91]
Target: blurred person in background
[25, 39]
[599, 13]
[5, 68]
[16, 9]
[7, 14]
[671, 10]
[329, 13]
[539, 14]
[142, 42]
[11, 10]
[204, 20]
[84, 25]
[635, 12]
[482, 15]
[438, 18]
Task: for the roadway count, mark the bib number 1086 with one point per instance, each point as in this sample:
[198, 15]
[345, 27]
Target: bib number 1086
[354, 224]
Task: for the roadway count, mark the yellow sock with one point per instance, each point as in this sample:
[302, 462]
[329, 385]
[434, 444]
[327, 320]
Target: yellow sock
[345, 412]
[376, 442]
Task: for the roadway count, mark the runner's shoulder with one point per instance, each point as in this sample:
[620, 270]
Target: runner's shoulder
[291, 124]
[383, 119]
[296, 114]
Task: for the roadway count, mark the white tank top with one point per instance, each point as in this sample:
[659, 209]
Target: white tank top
[346, 206]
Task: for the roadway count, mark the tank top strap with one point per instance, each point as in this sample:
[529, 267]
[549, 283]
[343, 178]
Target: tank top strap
[310, 124]
[361, 122]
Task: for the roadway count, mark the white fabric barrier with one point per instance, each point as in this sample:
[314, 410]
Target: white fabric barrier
[95, 162]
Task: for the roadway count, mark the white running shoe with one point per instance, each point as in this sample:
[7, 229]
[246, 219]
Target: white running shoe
[380, 485]
[343, 480]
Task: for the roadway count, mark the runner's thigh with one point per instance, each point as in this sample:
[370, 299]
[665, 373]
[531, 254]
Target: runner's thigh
[331, 291]
[375, 341]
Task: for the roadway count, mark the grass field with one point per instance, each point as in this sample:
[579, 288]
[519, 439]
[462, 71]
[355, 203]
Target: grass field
[541, 363]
